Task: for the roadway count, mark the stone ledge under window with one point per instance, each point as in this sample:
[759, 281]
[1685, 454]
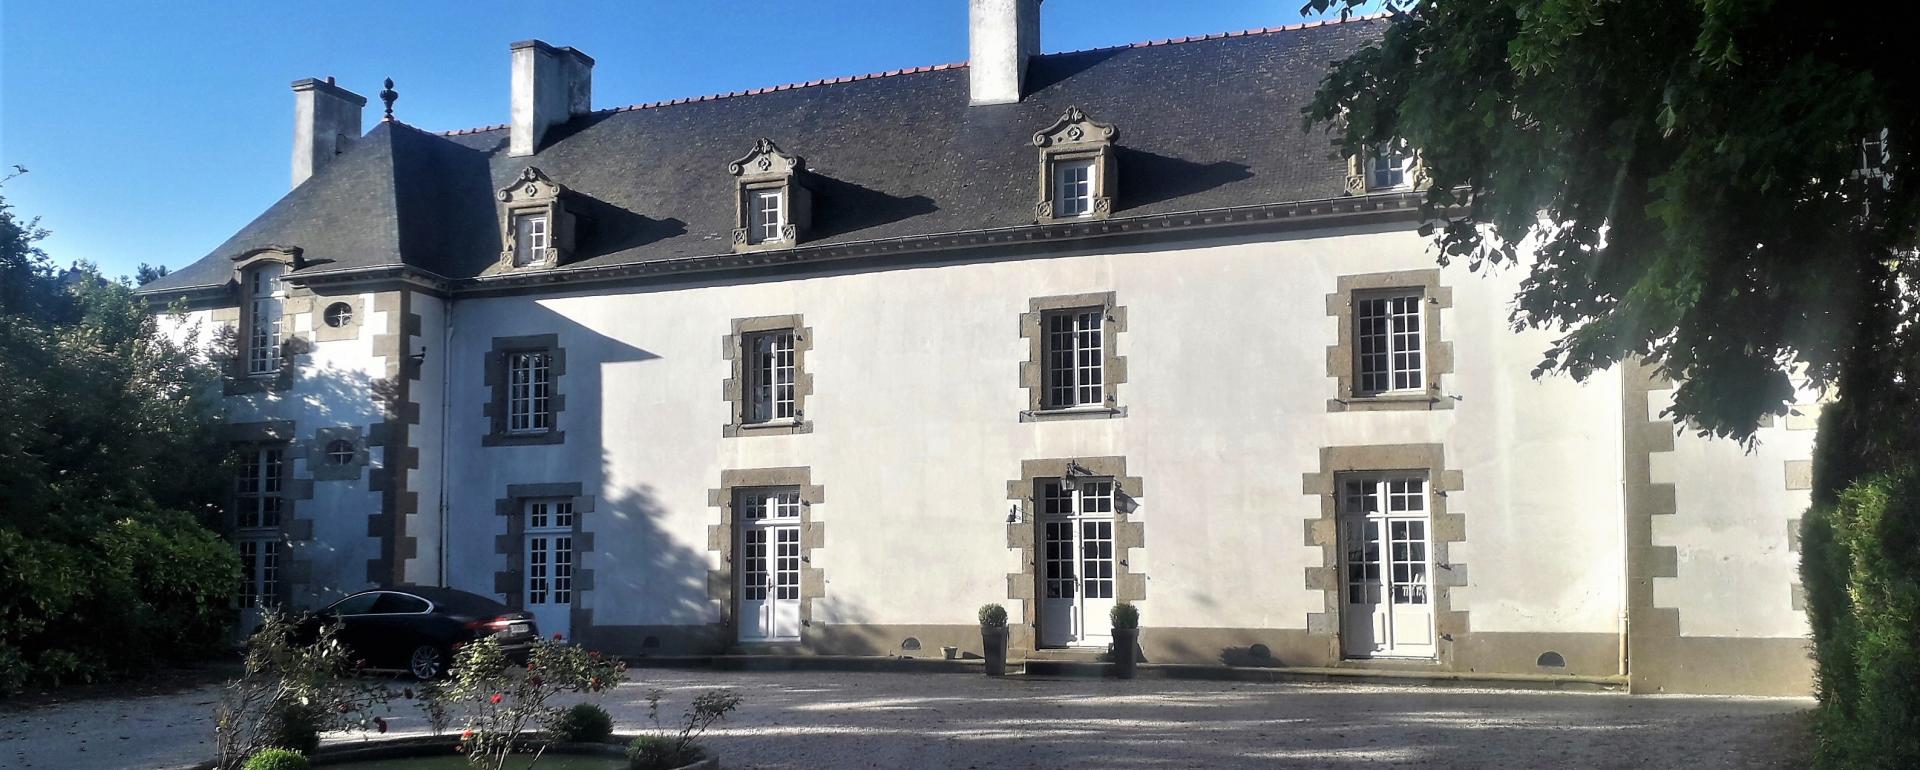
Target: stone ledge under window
[779, 428]
[1073, 413]
[1390, 402]
[543, 438]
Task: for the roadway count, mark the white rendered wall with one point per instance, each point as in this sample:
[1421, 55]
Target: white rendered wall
[915, 410]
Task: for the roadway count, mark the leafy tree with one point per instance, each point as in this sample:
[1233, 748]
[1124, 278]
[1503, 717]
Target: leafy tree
[110, 477]
[1681, 180]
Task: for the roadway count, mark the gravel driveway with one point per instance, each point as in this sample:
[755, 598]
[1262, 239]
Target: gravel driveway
[877, 720]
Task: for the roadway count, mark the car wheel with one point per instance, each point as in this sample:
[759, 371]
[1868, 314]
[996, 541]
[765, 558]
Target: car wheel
[427, 662]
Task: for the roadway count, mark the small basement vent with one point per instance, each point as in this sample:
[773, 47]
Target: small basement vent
[1551, 659]
[910, 644]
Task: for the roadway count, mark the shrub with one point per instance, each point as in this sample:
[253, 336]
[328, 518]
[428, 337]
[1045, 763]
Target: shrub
[993, 616]
[501, 700]
[294, 726]
[584, 723]
[1124, 615]
[290, 691]
[277, 759]
[1860, 561]
[659, 752]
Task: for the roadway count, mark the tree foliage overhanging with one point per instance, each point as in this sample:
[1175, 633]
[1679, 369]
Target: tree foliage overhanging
[1680, 178]
[110, 478]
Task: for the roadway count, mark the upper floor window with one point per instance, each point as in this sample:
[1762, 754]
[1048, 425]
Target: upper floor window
[257, 487]
[764, 216]
[1073, 188]
[265, 291]
[529, 391]
[1075, 358]
[771, 369]
[1387, 343]
[530, 239]
[1077, 168]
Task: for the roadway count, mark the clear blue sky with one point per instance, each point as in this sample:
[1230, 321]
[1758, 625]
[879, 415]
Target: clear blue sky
[154, 130]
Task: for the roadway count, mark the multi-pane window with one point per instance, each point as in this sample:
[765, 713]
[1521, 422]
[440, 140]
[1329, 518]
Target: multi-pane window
[256, 489]
[1075, 358]
[769, 545]
[1388, 337]
[771, 371]
[529, 391]
[1072, 188]
[531, 237]
[764, 218]
[549, 565]
[1079, 565]
[265, 291]
[340, 452]
[1387, 167]
[1384, 533]
[259, 572]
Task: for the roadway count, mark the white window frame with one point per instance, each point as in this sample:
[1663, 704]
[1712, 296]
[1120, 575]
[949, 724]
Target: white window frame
[761, 510]
[1389, 166]
[1389, 342]
[1074, 358]
[1075, 185]
[773, 372]
[529, 391]
[550, 558]
[259, 571]
[266, 290]
[532, 237]
[1399, 577]
[340, 452]
[766, 215]
[257, 491]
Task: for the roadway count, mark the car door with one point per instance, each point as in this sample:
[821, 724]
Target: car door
[350, 614]
[394, 626]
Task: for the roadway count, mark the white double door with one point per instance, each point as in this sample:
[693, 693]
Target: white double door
[1386, 562]
[769, 559]
[549, 566]
[1077, 563]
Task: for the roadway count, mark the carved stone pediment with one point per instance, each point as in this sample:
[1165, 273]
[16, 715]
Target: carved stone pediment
[531, 185]
[1074, 127]
[766, 159]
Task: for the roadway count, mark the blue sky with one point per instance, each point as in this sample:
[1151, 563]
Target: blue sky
[154, 130]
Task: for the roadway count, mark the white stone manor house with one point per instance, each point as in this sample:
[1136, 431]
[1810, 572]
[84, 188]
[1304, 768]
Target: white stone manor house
[822, 368]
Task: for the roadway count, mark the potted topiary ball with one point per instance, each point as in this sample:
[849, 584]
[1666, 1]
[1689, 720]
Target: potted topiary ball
[993, 638]
[1126, 638]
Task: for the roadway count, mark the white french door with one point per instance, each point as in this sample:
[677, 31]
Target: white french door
[1076, 553]
[769, 561]
[1386, 566]
[549, 565]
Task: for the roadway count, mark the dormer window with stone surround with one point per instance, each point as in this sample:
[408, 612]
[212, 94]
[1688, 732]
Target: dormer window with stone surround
[1077, 179]
[1385, 167]
[773, 206]
[536, 228]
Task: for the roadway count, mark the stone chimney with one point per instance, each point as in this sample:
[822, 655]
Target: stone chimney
[1001, 35]
[326, 120]
[550, 86]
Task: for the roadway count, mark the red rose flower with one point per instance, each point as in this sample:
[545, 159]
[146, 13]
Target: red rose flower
[558, 637]
[495, 698]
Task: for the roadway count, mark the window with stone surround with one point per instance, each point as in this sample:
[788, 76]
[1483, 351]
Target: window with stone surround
[773, 203]
[536, 224]
[1385, 167]
[767, 392]
[524, 376]
[259, 500]
[1077, 168]
[1389, 353]
[1073, 368]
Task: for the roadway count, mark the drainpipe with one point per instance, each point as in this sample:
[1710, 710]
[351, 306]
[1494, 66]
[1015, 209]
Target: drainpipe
[446, 399]
[1620, 507]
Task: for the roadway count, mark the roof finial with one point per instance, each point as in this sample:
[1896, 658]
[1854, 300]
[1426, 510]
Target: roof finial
[389, 96]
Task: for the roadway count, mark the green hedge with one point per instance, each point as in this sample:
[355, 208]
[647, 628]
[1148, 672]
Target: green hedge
[146, 587]
[1860, 563]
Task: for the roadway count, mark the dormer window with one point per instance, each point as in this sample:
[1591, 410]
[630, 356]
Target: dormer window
[1385, 167]
[1073, 188]
[774, 205]
[1076, 168]
[536, 229]
[265, 295]
[530, 239]
[764, 218]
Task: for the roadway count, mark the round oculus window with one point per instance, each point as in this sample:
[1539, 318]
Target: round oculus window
[338, 314]
[340, 452]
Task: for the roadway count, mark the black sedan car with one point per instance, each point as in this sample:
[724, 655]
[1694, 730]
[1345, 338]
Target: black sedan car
[417, 628]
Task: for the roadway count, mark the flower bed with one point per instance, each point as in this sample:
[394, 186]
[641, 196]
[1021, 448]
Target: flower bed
[378, 754]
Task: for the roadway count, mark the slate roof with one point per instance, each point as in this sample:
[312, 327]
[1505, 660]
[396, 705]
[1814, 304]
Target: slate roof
[1204, 123]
